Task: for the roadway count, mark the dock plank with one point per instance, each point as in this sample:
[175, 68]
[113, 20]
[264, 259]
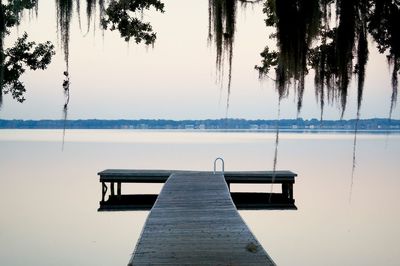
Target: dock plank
[194, 222]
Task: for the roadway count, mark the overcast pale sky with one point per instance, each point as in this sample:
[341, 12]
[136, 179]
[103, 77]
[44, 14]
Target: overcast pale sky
[176, 79]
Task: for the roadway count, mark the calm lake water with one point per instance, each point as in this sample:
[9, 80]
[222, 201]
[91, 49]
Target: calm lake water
[49, 198]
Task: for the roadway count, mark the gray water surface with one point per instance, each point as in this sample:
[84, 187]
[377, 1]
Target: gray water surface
[49, 198]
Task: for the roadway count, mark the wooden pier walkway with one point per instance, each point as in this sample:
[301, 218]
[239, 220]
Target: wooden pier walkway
[194, 222]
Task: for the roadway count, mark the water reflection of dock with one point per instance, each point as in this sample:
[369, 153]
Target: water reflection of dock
[194, 219]
[242, 201]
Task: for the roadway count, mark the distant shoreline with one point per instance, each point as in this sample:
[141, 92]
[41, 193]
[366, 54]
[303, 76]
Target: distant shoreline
[240, 125]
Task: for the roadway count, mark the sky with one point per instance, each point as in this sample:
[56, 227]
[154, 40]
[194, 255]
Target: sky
[175, 79]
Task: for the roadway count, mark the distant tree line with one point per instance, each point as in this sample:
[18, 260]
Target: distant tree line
[238, 124]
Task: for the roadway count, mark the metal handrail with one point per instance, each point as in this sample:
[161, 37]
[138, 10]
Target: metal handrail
[215, 165]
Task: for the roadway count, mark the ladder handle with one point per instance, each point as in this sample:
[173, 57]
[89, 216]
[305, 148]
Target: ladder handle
[215, 165]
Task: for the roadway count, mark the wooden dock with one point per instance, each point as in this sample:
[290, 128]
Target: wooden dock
[119, 176]
[194, 222]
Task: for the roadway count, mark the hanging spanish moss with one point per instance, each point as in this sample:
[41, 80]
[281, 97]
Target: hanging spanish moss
[90, 11]
[91, 7]
[78, 12]
[64, 16]
[222, 20]
[351, 37]
[344, 44]
[297, 23]
[383, 25]
[275, 162]
[353, 168]
[36, 9]
[393, 99]
[247, 3]
[306, 40]
[332, 60]
[102, 10]
[65, 86]
[362, 57]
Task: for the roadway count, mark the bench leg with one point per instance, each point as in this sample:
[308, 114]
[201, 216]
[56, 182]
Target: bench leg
[103, 191]
[112, 188]
[291, 191]
[119, 189]
[287, 190]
